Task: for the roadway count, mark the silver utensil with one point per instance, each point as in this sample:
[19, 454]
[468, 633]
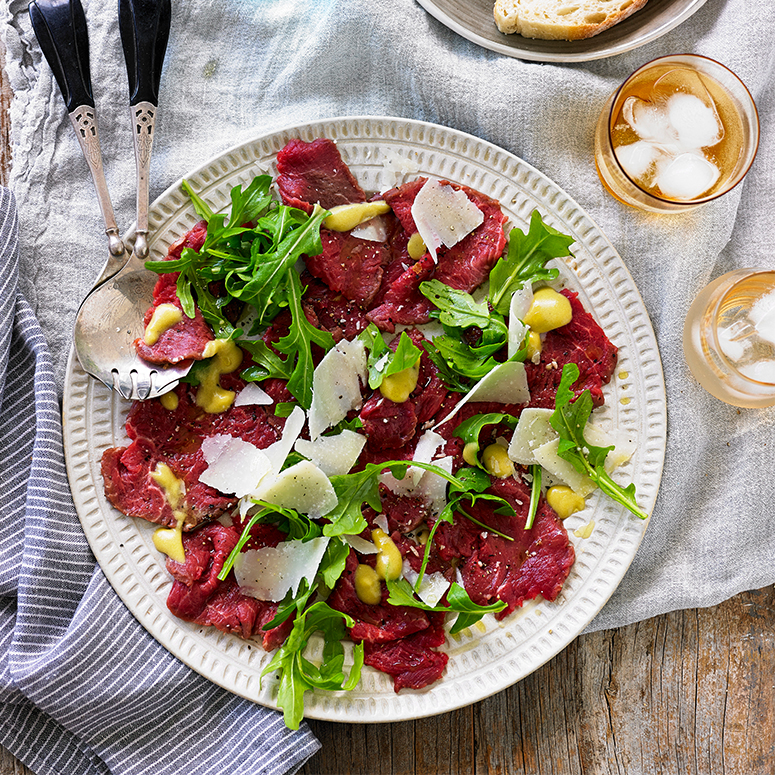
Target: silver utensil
[110, 318]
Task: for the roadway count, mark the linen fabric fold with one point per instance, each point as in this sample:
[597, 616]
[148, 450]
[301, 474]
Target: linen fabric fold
[83, 688]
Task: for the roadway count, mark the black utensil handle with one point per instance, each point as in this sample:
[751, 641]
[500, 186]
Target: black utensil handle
[145, 29]
[60, 27]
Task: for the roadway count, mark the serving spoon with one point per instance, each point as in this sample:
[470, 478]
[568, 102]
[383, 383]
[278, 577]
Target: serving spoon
[110, 318]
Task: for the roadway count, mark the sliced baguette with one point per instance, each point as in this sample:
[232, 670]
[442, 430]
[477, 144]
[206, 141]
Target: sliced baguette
[562, 19]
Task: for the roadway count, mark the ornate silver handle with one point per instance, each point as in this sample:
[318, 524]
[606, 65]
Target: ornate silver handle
[84, 121]
[143, 124]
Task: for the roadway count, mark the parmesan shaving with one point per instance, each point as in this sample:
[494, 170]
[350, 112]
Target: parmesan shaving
[279, 451]
[334, 455]
[520, 304]
[444, 215]
[303, 487]
[433, 585]
[505, 384]
[270, 573]
[373, 230]
[253, 395]
[336, 385]
[234, 466]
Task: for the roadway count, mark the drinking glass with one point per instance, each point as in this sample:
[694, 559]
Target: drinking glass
[729, 338]
[681, 131]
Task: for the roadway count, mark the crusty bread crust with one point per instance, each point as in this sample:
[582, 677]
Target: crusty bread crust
[562, 19]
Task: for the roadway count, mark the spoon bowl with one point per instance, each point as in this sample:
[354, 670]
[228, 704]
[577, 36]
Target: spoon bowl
[107, 324]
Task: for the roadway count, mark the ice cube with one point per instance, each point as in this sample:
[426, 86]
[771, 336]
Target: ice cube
[648, 121]
[761, 371]
[762, 315]
[732, 347]
[696, 124]
[638, 159]
[688, 176]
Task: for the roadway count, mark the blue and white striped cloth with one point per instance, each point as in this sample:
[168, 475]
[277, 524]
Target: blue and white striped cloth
[83, 688]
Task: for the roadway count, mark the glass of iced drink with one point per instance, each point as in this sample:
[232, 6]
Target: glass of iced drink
[729, 338]
[679, 132]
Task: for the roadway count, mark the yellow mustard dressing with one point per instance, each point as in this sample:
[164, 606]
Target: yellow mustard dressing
[169, 401]
[564, 500]
[164, 317]
[548, 310]
[416, 246]
[534, 345]
[496, 461]
[169, 540]
[399, 386]
[585, 531]
[367, 586]
[226, 357]
[389, 559]
[347, 217]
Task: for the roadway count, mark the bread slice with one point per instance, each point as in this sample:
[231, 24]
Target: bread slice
[562, 19]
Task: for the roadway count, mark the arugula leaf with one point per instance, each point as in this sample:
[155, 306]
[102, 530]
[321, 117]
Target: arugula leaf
[472, 363]
[293, 234]
[254, 265]
[384, 361]
[297, 345]
[458, 601]
[267, 363]
[298, 527]
[201, 207]
[458, 309]
[470, 480]
[470, 429]
[292, 604]
[248, 204]
[297, 675]
[352, 491]
[463, 358]
[569, 420]
[330, 569]
[470, 486]
[535, 494]
[355, 489]
[333, 562]
[525, 260]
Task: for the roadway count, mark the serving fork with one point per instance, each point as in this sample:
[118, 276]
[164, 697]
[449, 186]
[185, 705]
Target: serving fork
[110, 318]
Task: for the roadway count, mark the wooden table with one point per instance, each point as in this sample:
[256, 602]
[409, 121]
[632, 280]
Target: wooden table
[684, 693]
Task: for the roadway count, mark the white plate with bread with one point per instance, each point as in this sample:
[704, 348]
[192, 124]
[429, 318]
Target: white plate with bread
[570, 30]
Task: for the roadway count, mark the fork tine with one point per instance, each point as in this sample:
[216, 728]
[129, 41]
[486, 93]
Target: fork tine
[143, 385]
[124, 384]
[162, 386]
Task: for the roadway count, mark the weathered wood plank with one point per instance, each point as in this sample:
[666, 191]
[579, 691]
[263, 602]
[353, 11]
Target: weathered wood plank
[689, 692]
[5, 121]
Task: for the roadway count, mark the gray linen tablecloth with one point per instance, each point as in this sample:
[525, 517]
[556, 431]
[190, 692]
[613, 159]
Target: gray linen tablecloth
[85, 690]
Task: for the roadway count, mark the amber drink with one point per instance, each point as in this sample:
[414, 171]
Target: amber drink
[679, 132]
[729, 338]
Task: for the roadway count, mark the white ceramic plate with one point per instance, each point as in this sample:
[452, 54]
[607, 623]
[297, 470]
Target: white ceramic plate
[473, 19]
[492, 655]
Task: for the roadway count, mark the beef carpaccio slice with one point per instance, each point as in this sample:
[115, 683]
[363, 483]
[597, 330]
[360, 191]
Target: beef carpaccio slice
[381, 277]
[187, 339]
[174, 438]
[314, 173]
[198, 596]
[353, 282]
[582, 342]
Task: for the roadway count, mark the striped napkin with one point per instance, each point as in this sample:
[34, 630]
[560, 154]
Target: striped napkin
[83, 688]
